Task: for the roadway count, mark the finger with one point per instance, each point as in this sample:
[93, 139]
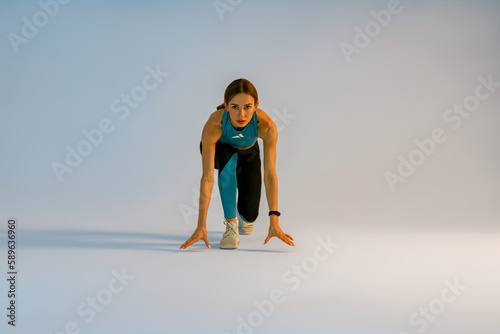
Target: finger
[189, 243]
[206, 242]
[184, 245]
[286, 240]
[288, 236]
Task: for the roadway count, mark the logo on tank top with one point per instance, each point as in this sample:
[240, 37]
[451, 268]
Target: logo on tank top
[238, 136]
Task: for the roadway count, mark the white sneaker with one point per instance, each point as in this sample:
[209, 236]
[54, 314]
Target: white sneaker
[230, 238]
[245, 228]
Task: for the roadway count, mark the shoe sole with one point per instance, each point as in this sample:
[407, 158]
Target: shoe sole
[229, 246]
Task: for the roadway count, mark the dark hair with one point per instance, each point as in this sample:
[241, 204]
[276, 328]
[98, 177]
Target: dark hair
[239, 86]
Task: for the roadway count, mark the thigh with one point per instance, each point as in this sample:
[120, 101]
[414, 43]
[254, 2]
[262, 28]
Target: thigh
[223, 152]
[249, 174]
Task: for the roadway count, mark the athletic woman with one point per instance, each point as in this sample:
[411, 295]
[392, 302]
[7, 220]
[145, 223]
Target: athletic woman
[229, 144]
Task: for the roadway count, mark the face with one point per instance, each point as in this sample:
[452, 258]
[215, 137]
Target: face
[241, 108]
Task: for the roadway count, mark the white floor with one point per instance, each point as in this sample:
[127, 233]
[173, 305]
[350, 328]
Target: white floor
[363, 282]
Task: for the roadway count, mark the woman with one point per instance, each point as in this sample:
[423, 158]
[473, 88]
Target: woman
[229, 144]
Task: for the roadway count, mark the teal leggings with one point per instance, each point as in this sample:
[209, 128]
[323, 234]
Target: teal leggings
[240, 180]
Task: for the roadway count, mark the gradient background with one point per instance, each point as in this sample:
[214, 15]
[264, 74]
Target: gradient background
[122, 207]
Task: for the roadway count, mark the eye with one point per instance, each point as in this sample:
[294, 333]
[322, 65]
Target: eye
[247, 107]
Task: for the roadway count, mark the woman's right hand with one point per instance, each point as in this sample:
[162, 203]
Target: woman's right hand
[199, 234]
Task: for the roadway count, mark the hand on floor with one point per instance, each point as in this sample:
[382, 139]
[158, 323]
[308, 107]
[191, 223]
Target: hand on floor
[275, 231]
[199, 234]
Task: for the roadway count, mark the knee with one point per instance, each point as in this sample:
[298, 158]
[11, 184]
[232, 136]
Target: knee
[249, 217]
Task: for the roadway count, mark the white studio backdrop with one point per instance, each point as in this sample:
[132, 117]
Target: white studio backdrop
[348, 105]
[388, 118]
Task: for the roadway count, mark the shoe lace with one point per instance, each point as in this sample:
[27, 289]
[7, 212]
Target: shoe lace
[230, 229]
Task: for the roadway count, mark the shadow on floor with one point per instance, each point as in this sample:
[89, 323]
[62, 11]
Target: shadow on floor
[119, 240]
[103, 239]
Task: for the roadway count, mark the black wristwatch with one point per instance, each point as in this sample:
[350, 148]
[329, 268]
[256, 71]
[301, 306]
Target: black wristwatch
[277, 213]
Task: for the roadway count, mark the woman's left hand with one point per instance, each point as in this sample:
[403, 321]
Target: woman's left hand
[275, 231]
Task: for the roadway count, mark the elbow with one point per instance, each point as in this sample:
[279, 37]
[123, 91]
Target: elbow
[207, 179]
[270, 178]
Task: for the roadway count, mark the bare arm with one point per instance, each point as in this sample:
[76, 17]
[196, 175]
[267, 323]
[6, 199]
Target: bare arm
[270, 178]
[269, 135]
[211, 133]
[208, 139]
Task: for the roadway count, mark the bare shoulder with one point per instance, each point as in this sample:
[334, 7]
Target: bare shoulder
[216, 116]
[212, 130]
[267, 128]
